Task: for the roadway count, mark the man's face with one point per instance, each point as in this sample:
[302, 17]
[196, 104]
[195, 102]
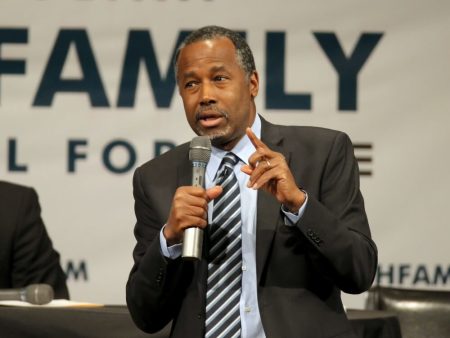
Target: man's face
[217, 95]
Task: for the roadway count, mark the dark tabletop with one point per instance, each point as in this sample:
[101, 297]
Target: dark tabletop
[115, 322]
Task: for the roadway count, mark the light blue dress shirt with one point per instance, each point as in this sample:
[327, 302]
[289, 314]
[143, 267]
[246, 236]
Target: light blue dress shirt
[251, 326]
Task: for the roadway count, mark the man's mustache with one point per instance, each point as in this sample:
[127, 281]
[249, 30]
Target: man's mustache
[210, 108]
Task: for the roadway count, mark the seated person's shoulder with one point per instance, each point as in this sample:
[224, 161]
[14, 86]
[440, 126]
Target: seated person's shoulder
[14, 189]
[13, 195]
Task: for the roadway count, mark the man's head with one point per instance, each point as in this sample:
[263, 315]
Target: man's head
[244, 54]
[218, 83]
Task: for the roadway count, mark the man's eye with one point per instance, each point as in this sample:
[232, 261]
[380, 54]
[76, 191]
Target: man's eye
[220, 78]
[189, 84]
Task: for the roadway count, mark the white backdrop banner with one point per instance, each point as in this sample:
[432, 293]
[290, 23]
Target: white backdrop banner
[87, 93]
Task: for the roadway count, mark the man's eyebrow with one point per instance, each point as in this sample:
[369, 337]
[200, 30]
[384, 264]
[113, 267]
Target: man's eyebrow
[218, 68]
[188, 74]
[213, 69]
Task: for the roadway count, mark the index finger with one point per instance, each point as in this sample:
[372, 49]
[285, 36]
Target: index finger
[257, 143]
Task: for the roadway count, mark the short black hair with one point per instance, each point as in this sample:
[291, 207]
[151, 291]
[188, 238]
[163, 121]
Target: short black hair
[244, 54]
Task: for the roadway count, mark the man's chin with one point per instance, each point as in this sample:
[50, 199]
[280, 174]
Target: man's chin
[224, 142]
[213, 134]
[217, 140]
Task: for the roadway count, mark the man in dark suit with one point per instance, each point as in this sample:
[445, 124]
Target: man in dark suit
[26, 252]
[305, 236]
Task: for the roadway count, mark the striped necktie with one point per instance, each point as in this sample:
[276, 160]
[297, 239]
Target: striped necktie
[225, 257]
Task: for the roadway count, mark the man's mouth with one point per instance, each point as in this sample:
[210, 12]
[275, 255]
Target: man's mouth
[209, 120]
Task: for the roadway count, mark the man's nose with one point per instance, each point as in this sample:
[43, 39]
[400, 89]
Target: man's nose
[207, 95]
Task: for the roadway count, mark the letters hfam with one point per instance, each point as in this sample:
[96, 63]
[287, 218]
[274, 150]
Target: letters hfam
[413, 274]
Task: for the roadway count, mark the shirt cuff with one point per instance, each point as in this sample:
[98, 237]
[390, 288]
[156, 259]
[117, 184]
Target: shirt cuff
[290, 219]
[173, 251]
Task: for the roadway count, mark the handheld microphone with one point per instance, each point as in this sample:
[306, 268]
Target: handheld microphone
[38, 294]
[199, 154]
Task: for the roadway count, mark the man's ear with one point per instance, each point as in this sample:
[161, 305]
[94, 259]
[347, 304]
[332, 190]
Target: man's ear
[254, 84]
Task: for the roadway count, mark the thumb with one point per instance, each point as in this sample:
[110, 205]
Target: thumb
[246, 169]
[214, 192]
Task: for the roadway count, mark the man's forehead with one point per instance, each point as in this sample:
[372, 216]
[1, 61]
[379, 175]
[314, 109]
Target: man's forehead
[211, 49]
[211, 42]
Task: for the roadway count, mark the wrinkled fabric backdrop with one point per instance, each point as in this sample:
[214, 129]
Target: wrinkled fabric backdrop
[87, 93]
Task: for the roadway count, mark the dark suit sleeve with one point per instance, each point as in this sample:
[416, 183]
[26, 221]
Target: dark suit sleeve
[153, 289]
[34, 260]
[335, 223]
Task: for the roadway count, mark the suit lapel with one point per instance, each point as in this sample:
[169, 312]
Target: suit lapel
[268, 208]
[184, 176]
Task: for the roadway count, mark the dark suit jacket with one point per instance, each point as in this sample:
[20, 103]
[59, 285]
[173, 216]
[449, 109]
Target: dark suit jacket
[26, 252]
[300, 269]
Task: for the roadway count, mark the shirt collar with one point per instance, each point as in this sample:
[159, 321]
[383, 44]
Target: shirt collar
[243, 149]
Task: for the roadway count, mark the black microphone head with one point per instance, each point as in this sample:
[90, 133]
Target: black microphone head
[200, 149]
[38, 294]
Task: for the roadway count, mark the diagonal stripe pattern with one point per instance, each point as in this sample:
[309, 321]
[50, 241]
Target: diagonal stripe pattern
[225, 257]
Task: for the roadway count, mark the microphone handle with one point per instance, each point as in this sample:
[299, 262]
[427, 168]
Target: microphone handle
[12, 294]
[193, 237]
[34, 294]
[192, 243]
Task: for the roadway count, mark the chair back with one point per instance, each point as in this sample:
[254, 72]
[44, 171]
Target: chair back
[421, 313]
